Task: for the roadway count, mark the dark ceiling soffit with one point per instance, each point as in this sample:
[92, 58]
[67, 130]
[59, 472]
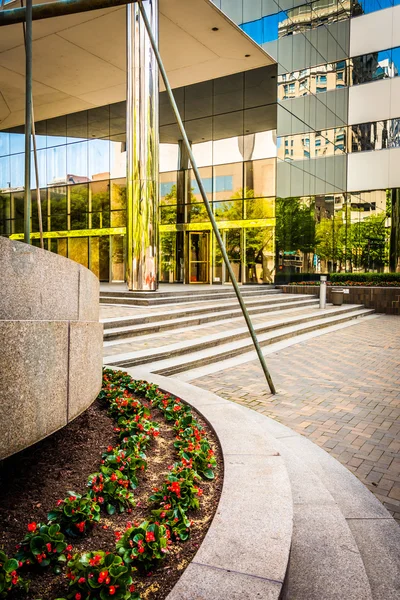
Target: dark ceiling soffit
[57, 9]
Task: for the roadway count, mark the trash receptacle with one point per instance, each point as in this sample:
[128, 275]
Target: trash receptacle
[337, 296]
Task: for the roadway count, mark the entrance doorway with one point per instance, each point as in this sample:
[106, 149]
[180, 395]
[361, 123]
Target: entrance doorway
[199, 257]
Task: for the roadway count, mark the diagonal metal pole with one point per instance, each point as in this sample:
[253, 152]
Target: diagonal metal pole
[35, 157]
[28, 122]
[206, 201]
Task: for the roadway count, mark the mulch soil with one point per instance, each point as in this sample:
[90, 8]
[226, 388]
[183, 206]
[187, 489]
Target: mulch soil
[32, 481]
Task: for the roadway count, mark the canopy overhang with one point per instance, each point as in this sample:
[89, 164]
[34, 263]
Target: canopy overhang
[79, 61]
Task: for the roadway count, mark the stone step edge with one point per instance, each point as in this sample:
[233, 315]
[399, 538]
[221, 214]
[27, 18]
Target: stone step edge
[240, 337]
[374, 530]
[256, 484]
[191, 361]
[192, 292]
[178, 299]
[162, 315]
[219, 317]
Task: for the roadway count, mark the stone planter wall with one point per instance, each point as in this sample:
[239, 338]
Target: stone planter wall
[382, 299]
[51, 343]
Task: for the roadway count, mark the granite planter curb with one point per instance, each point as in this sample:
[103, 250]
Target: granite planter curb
[51, 344]
[245, 552]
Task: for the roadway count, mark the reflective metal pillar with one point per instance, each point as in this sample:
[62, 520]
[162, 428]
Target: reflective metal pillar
[142, 150]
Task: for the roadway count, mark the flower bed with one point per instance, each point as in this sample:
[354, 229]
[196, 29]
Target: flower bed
[350, 283]
[147, 553]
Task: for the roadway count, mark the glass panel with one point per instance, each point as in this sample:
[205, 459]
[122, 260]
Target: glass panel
[295, 234]
[169, 154]
[372, 67]
[259, 208]
[99, 122]
[78, 250]
[196, 213]
[99, 159]
[100, 204]
[259, 255]
[17, 140]
[167, 214]
[77, 162]
[17, 168]
[199, 257]
[5, 214]
[18, 212]
[394, 133]
[79, 206]
[228, 181]
[259, 178]
[56, 165]
[168, 188]
[5, 173]
[217, 262]
[117, 257]
[118, 218]
[58, 209]
[100, 257]
[118, 194]
[35, 216]
[229, 210]
[4, 143]
[58, 246]
[206, 177]
[228, 93]
[117, 118]
[233, 245]
[167, 256]
[118, 156]
[198, 100]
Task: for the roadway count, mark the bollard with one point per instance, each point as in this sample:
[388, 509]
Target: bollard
[322, 292]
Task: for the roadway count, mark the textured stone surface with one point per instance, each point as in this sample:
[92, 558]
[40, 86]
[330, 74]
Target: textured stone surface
[382, 566]
[33, 382]
[200, 582]
[85, 365]
[256, 499]
[39, 285]
[325, 561]
[51, 343]
[89, 305]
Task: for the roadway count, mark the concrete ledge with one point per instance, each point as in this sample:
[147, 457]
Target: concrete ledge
[51, 342]
[246, 550]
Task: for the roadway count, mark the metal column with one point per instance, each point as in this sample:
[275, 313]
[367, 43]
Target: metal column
[142, 150]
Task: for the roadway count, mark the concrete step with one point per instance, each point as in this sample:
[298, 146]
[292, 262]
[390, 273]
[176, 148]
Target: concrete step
[135, 330]
[183, 298]
[257, 305]
[325, 491]
[188, 354]
[188, 291]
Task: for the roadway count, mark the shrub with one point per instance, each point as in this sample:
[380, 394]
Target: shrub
[113, 485]
[100, 576]
[126, 460]
[370, 278]
[43, 545]
[144, 546]
[9, 578]
[76, 514]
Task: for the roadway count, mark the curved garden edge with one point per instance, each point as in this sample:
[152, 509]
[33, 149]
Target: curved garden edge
[245, 552]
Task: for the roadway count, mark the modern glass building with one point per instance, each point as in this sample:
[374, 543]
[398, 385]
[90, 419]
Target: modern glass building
[299, 158]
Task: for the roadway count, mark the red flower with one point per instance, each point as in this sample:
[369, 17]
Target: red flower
[81, 580]
[150, 536]
[112, 590]
[32, 527]
[78, 596]
[69, 548]
[48, 546]
[80, 526]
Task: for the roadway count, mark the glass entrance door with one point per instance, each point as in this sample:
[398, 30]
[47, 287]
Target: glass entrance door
[199, 257]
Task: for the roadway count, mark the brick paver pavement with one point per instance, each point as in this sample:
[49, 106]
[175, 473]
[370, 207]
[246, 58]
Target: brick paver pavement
[341, 390]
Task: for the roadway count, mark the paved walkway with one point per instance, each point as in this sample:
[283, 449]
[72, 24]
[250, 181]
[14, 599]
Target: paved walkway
[342, 390]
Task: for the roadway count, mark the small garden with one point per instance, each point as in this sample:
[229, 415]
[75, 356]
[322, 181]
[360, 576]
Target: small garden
[115, 505]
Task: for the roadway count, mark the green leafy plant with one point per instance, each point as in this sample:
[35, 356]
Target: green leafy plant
[113, 485]
[144, 546]
[9, 577]
[43, 545]
[76, 514]
[100, 576]
[127, 460]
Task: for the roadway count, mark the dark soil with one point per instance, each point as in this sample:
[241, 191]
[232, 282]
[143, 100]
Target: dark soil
[32, 481]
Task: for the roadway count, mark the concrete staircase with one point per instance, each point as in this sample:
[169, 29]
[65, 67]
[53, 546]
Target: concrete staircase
[179, 331]
[314, 531]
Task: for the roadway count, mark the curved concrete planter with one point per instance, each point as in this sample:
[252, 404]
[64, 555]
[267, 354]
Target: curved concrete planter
[51, 343]
[245, 552]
